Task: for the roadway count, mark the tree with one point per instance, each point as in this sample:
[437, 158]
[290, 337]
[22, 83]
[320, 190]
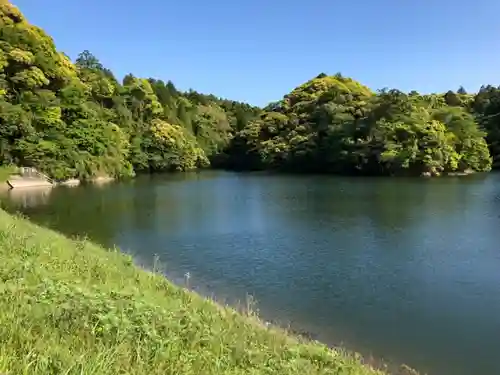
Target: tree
[335, 124]
[87, 60]
[49, 118]
[486, 107]
[452, 99]
[77, 120]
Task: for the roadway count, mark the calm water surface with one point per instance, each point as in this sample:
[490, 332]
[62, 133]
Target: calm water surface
[407, 270]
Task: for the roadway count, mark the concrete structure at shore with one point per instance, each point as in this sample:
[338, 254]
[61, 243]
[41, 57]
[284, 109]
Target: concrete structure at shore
[30, 177]
[27, 177]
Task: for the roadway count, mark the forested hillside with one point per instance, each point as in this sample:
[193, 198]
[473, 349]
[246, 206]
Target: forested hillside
[76, 119]
[335, 124]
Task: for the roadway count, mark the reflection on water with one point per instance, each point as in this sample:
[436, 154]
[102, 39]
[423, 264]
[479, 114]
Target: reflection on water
[27, 197]
[406, 269]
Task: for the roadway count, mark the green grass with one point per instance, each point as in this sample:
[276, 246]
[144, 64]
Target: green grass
[5, 172]
[72, 307]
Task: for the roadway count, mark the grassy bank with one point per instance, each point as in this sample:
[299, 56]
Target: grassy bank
[5, 172]
[72, 307]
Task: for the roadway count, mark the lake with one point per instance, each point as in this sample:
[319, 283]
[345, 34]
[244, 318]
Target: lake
[407, 270]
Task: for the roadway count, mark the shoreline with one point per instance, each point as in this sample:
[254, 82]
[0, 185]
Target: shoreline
[105, 180]
[72, 298]
[271, 322]
[272, 326]
[307, 335]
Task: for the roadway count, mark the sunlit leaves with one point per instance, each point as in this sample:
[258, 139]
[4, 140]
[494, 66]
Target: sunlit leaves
[77, 120]
[174, 149]
[20, 56]
[333, 123]
[9, 14]
[30, 78]
[56, 126]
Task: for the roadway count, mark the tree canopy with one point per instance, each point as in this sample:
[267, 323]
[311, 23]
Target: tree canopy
[335, 124]
[76, 119]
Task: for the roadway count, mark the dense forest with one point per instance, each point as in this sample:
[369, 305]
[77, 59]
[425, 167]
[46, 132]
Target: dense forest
[334, 124]
[76, 119]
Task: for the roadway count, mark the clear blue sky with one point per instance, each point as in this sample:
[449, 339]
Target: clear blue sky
[258, 50]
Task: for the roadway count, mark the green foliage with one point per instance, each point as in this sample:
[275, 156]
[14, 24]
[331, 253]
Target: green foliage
[48, 117]
[211, 127]
[335, 124]
[6, 171]
[78, 120]
[172, 148]
[486, 107]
